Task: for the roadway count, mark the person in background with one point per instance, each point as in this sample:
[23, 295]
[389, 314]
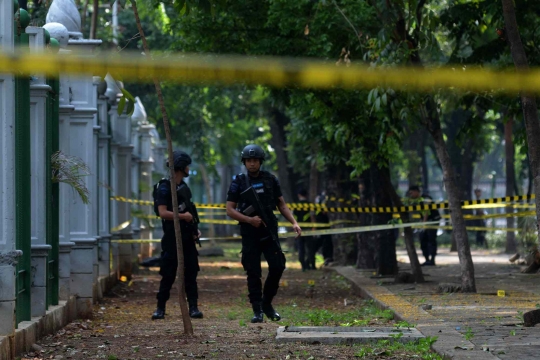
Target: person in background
[427, 237]
[302, 242]
[480, 235]
[325, 240]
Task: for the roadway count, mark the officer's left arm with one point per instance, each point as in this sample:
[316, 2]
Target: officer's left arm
[286, 212]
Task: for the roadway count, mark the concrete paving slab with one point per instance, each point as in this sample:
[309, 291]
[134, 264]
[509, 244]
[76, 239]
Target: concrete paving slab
[489, 324]
[344, 335]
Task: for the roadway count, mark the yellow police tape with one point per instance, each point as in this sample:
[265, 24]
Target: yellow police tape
[478, 217]
[347, 230]
[381, 209]
[234, 222]
[469, 228]
[272, 71]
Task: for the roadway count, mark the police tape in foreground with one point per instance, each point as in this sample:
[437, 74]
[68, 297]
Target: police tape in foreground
[347, 230]
[270, 71]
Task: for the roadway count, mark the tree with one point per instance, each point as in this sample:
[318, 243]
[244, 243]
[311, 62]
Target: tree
[401, 42]
[188, 327]
[528, 103]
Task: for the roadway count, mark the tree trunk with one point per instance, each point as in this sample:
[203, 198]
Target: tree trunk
[376, 249]
[414, 171]
[188, 327]
[94, 19]
[386, 244]
[83, 15]
[458, 223]
[408, 233]
[511, 246]
[366, 241]
[278, 121]
[210, 199]
[345, 245]
[313, 175]
[423, 164]
[528, 101]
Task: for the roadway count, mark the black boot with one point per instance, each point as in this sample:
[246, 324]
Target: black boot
[194, 311]
[257, 313]
[159, 313]
[269, 311]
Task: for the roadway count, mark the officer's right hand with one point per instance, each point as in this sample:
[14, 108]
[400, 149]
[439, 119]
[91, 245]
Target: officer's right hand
[186, 217]
[256, 221]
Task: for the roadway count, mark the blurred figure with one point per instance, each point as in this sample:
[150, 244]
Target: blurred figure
[302, 242]
[326, 240]
[427, 237]
[480, 235]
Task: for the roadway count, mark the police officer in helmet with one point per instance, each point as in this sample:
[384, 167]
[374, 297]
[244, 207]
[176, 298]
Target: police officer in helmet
[190, 233]
[255, 239]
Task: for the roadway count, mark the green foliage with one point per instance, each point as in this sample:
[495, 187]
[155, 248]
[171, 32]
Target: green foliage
[70, 170]
[469, 334]
[404, 324]
[352, 129]
[359, 316]
[420, 348]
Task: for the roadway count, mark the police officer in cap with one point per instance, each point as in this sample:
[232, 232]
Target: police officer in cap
[190, 233]
[255, 239]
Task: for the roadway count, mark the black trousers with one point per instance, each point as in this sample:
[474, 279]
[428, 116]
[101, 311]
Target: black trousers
[481, 238]
[252, 248]
[168, 269]
[301, 247]
[327, 247]
[428, 242]
[313, 245]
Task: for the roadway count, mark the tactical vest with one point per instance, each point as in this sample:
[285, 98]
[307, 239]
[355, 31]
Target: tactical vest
[264, 186]
[168, 225]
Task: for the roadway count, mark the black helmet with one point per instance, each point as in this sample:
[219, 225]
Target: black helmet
[253, 152]
[181, 160]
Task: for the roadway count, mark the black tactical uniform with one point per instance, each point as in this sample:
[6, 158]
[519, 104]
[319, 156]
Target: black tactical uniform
[169, 258]
[428, 237]
[259, 240]
[304, 242]
[256, 241]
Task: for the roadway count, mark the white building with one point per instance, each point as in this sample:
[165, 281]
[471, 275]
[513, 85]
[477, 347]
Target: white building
[55, 249]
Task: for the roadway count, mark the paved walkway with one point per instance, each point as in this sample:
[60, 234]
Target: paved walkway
[468, 326]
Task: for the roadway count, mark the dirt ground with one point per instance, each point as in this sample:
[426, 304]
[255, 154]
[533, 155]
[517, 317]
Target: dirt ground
[122, 327]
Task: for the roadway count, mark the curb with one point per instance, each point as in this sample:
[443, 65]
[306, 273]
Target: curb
[448, 338]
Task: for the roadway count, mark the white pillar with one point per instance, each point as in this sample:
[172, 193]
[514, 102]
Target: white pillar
[147, 163]
[64, 270]
[122, 135]
[38, 113]
[94, 190]
[80, 143]
[8, 254]
[114, 220]
[104, 225]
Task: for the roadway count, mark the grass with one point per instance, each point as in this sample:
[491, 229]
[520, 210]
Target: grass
[360, 316]
[420, 348]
